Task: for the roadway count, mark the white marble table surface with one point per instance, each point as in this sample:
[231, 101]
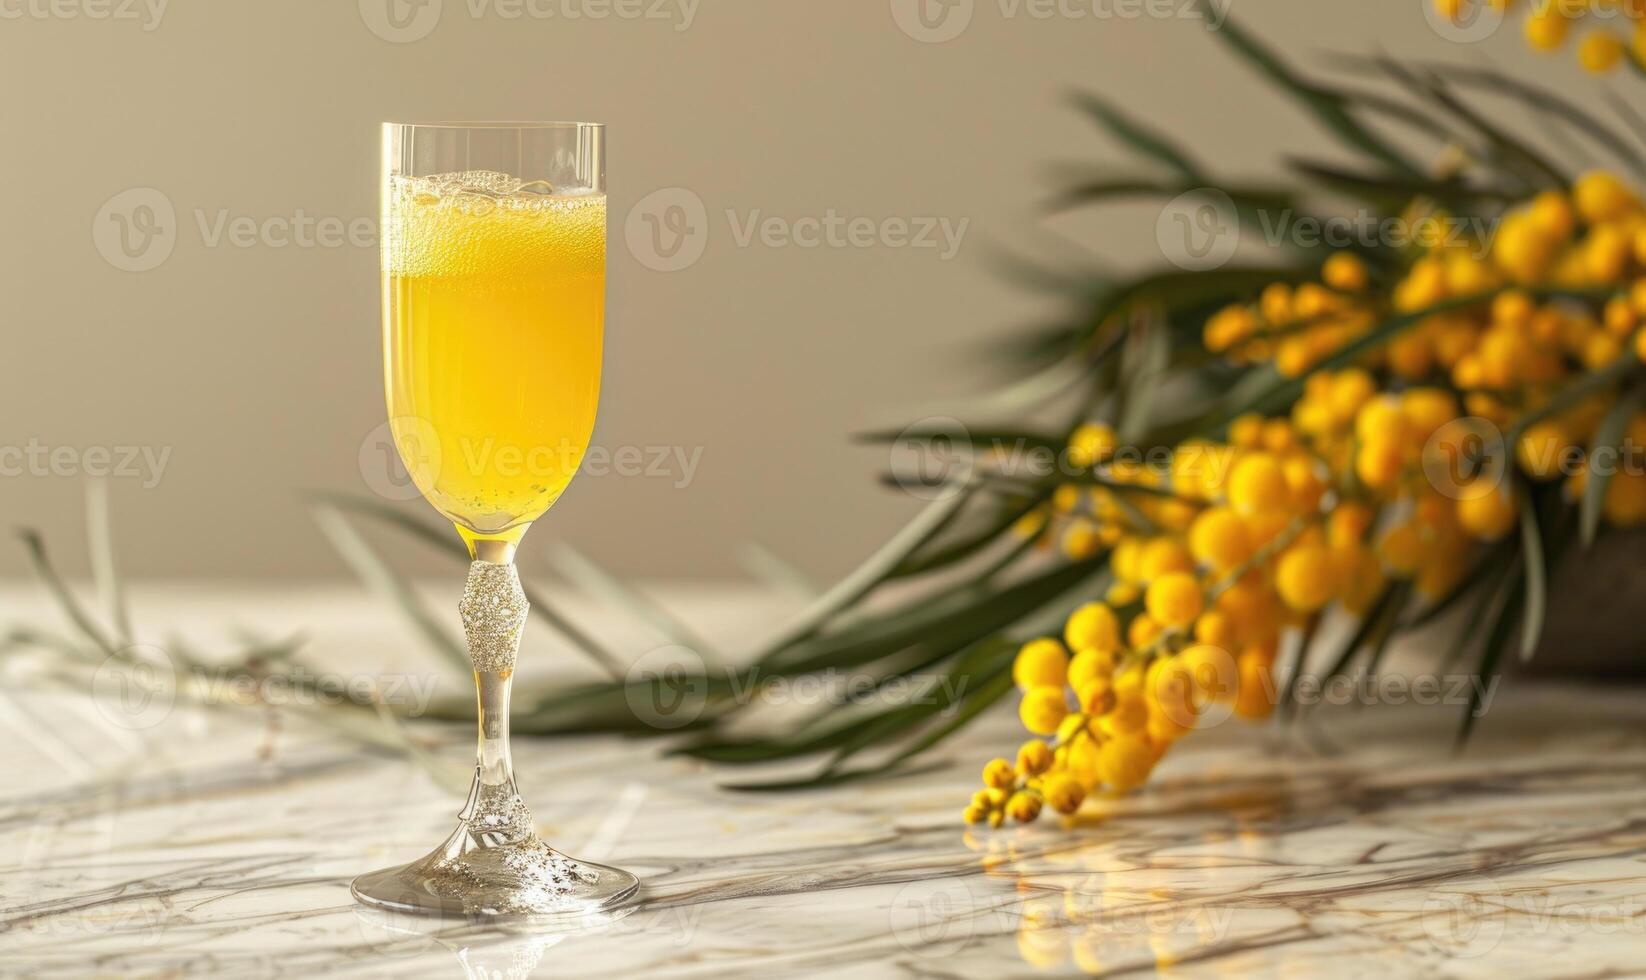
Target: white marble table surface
[211, 843]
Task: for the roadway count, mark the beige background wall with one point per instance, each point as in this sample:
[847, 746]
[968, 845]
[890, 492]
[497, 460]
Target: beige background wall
[256, 367]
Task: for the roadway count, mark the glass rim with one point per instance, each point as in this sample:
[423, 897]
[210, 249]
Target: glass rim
[495, 124]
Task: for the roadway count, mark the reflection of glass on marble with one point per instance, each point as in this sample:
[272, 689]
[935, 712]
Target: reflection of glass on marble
[486, 949]
[513, 959]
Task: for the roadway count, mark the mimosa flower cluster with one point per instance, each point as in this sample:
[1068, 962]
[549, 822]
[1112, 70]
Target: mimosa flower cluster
[1367, 483]
[1606, 33]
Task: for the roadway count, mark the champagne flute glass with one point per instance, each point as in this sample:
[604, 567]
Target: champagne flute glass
[494, 277]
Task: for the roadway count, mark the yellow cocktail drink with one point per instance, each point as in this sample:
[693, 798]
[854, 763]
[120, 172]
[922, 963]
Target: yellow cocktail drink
[494, 307]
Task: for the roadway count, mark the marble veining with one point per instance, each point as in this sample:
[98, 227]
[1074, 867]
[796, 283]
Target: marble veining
[193, 847]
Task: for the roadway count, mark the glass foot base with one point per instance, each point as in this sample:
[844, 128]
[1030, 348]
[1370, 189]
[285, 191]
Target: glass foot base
[514, 881]
[495, 866]
[542, 883]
